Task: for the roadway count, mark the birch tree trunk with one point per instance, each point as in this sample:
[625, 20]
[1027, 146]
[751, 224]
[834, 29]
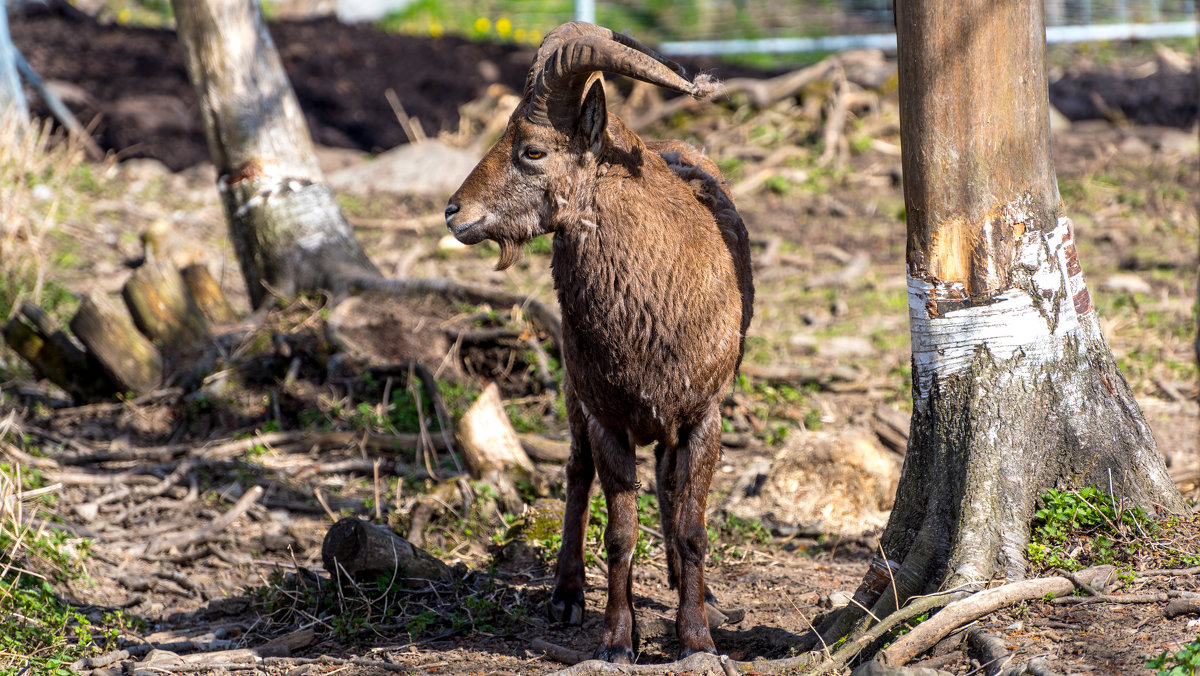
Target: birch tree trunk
[287, 229]
[12, 98]
[1014, 388]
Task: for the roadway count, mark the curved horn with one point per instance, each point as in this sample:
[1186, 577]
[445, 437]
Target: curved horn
[571, 53]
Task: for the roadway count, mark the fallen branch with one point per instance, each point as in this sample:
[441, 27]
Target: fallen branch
[324, 441]
[59, 109]
[1170, 571]
[198, 535]
[559, 653]
[973, 607]
[334, 662]
[541, 313]
[545, 450]
[1162, 597]
[989, 650]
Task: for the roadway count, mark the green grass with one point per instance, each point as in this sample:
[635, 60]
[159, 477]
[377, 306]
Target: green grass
[363, 611]
[42, 631]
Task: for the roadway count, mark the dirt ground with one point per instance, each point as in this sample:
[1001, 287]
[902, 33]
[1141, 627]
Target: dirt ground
[1128, 186]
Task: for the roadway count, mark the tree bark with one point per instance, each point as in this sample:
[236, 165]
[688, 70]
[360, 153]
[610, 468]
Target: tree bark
[1014, 388]
[12, 98]
[288, 232]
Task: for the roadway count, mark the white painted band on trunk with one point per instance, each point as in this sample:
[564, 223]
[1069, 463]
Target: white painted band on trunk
[1032, 319]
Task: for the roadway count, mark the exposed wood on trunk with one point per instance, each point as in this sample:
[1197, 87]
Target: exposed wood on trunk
[208, 294]
[982, 175]
[355, 547]
[162, 307]
[130, 360]
[40, 341]
[491, 447]
[287, 229]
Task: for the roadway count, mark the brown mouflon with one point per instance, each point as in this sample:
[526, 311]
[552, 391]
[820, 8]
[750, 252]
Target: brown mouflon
[652, 267]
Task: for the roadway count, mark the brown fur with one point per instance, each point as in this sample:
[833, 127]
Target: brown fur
[652, 268]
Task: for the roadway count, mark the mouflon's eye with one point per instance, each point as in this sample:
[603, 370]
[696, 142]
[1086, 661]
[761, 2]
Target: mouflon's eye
[534, 153]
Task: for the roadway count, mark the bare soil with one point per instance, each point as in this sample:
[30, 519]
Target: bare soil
[1128, 188]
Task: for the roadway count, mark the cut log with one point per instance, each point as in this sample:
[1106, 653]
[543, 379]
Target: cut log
[356, 547]
[491, 447]
[50, 351]
[546, 450]
[162, 307]
[208, 294]
[129, 358]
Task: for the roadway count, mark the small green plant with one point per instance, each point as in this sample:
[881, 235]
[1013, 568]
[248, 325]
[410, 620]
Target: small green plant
[1185, 662]
[1107, 530]
[37, 621]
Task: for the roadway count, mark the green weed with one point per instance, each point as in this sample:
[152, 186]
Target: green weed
[42, 632]
[1185, 662]
[1075, 529]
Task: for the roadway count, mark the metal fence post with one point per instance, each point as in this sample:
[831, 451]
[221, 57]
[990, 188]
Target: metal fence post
[585, 10]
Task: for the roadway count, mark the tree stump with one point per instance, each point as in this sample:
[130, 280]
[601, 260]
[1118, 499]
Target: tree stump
[50, 351]
[162, 306]
[356, 547]
[208, 294]
[492, 449]
[129, 358]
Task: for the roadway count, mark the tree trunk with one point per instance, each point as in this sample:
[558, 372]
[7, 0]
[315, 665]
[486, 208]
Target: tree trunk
[11, 95]
[1014, 388]
[287, 229]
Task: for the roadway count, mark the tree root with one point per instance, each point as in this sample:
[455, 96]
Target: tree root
[988, 601]
[958, 608]
[1162, 597]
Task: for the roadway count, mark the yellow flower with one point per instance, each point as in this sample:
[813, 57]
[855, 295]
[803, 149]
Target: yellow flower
[519, 35]
[535, 37]
[503, 26]
[482, 24]
[124, 16]
[436, 29]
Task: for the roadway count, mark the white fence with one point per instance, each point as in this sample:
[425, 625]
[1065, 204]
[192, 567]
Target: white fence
[701, 27]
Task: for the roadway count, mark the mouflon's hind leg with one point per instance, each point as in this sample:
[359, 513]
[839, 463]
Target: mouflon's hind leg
[664, 487]
[697, 457]
[567, 602]
[614, 458]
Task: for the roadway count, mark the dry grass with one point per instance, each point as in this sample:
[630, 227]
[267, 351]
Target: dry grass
[38, 176]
